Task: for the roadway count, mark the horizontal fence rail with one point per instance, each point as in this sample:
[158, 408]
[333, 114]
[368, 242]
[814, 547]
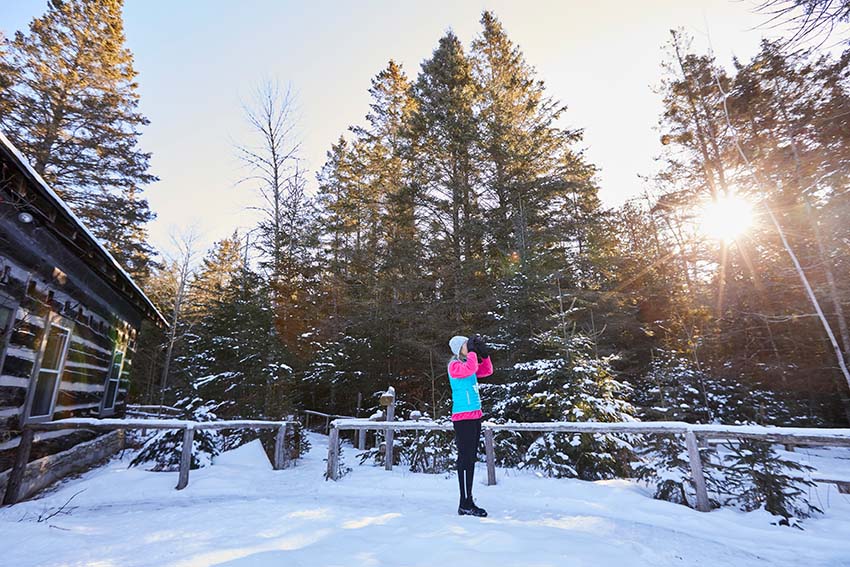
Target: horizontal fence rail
[692, 433]
[327, 417]
[284, 429]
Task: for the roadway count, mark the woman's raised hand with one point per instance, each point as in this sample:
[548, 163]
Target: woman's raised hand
[477, 345]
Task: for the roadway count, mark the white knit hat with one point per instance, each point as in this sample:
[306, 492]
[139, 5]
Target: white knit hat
[456, 343]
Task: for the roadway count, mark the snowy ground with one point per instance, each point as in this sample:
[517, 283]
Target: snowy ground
[239, 512]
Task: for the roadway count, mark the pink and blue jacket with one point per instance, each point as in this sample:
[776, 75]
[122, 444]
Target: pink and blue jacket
[463, 377]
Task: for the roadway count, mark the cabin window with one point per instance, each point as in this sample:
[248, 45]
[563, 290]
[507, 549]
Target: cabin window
[113, 379]
[49, 370]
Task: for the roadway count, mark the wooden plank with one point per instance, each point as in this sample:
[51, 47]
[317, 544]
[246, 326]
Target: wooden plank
[333, 454]
[793, 439]
[797, 436]
[186, 457]
[280, 448]
[361, 439]
[115, 423]
[489, 447]
[22, 457]
[703, 504]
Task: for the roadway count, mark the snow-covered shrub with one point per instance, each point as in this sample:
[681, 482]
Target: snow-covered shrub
[297, 442]
[573, 384]
[759, 477]
[675, 388]
[421, 451]
[509, 447]
[162, 451]
[663, 463]
[428, 451]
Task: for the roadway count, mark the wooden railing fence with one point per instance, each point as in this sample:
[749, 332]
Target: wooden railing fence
[280, 461]
[327, 417]
[692, 433]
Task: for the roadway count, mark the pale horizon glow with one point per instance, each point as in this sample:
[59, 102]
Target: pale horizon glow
[198, 60]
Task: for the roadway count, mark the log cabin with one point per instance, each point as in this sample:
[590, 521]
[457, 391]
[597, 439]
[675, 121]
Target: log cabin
[69, 322]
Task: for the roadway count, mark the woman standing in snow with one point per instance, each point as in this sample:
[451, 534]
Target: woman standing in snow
[464, 371]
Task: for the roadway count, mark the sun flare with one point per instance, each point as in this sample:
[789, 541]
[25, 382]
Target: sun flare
[726, 218]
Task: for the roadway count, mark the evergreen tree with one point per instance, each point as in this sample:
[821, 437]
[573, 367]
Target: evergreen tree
[388, 158]
[444, 129]
[760, 477]
[72, 110]
[233, 360]
[222, 264]
[568, 382]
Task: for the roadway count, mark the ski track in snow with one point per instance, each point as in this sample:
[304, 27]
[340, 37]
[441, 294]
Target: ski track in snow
[239, 512]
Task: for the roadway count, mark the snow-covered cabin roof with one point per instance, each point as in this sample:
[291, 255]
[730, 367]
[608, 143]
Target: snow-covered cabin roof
[107, 265]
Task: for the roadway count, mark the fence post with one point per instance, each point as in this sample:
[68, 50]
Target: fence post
[280, 448]
[16, 477]
[703, 504]
[491, 456]
[388, 464]
[333, 453]
[388, 400]
[186, 457]
[361, 439]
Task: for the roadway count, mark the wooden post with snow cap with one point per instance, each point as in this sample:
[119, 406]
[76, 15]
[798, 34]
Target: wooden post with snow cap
[280, 452]
[703, 504]
[388, 400]
[186, 457]
[491, 456]
[333, 454]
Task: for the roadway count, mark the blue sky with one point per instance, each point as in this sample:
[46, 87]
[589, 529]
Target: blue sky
[199, 59]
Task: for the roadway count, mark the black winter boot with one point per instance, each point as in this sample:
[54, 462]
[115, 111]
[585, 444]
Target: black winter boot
[468, 508]
[476, 511]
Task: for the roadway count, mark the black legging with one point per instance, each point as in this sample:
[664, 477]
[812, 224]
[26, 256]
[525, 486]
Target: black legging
[467, 434]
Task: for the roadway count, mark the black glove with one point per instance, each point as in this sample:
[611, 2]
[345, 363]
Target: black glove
[472, 344]
[483, 349]
[477, 345]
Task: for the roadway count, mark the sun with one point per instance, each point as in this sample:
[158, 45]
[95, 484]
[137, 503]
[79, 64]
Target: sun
[725, 218]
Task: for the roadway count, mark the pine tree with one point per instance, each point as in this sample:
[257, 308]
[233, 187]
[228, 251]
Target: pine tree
[541, 196]
[388, 158]
[232, 360]
[444, 129]
[72, 110]
[568, 382]
[222, 264]
[758, 477]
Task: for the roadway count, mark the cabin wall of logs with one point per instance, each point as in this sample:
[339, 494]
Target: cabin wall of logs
[68, 322]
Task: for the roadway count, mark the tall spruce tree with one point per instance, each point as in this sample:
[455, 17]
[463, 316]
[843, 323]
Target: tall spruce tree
[72, 110]
[540, 193]
[388, 159]
[445, 130]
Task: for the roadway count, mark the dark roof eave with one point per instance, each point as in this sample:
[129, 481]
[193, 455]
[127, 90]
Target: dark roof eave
[142, 301]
